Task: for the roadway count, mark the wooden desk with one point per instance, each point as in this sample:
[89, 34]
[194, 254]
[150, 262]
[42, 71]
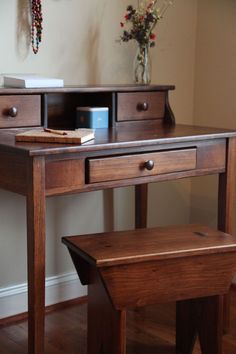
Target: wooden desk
[132, 144]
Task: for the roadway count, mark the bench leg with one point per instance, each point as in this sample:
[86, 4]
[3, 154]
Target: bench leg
[186, 326]
[106, 325]
[202, 317]
[210, 329]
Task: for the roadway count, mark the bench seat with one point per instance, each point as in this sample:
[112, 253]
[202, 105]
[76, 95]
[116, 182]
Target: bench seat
[191, 264]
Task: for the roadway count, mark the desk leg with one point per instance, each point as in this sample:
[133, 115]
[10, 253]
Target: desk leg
[36, 254]
[226, 207]
[141, 193]
[108, 205]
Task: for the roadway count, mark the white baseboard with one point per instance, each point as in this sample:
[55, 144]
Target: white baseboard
[63, 287]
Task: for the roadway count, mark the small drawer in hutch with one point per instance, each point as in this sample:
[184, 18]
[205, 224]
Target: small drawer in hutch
[133, 106]
[20, 111]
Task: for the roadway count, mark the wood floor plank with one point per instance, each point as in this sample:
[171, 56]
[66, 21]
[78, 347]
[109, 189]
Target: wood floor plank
[150, 330]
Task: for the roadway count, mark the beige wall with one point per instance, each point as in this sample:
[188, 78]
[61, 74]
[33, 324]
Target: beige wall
[215, 80]
[79, 46]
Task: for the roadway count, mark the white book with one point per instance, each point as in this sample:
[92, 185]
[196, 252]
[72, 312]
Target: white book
[31, 81]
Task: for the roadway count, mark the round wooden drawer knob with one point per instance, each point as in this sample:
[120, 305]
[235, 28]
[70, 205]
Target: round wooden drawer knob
[142, 106]
[149, 165]
[13, 112]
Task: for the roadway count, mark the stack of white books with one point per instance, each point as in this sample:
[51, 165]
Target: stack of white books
[30, 81]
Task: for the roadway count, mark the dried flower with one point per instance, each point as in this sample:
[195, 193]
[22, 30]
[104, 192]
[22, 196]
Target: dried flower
[152, 36]
[141, 21]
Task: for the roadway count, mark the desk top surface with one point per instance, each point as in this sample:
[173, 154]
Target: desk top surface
[116, 138]
[86, 89]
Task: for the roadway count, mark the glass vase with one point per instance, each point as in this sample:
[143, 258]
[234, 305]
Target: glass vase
[142, 66]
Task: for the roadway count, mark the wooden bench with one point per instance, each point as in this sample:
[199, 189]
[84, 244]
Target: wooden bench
[190, 264]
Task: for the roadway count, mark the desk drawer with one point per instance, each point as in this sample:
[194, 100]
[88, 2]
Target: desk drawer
[19, 111]
[140, 105]
[140, 165]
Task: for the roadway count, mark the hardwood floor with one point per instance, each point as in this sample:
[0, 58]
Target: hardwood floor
[150, 330]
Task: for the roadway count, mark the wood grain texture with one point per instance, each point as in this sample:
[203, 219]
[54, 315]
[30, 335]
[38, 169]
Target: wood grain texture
[131, 166]
[106, 326]
[13, 172]
[128, 259]
[203, 317]
[78, 136]
[146, 136]
[64, 175]
[143, 139]
[150, 330]
[140, 105]
[129, 271]
[193, 277]
[226, 190]
[36, 254]
[141, 205]
[117, 248]
[89, 89]
[226, 206]
[28, 108]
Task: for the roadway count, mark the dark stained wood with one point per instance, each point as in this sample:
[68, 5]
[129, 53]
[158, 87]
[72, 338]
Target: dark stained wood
[108, 207]
[13, 172]
[117, 248]
[186, 325]
[226, 207]
[121, 138]
[131, 166]
[169, 117]
[12, 320]
[211, 154]
[140, 284]
[64, 175]
[134, 181]
[36, 253]
[136, 106]
[226, 190]
[210, 326]
[106, 326]
[126, 271]
[202, 316]
[82, 268]
[141, 200]
[150, 329]
[27, 110]
[88, 89]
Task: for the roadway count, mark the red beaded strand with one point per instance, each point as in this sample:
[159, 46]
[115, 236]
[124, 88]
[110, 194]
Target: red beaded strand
[36, 27]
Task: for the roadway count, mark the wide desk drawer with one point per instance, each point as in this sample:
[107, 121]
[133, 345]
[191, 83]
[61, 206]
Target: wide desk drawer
[140, 105]
[140, 165]
[19, 111]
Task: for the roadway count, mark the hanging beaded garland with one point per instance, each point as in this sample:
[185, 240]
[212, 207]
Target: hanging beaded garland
[36, 27]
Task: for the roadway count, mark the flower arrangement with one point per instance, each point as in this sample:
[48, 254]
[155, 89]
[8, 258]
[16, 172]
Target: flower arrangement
[141, 21]
[139, 24]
